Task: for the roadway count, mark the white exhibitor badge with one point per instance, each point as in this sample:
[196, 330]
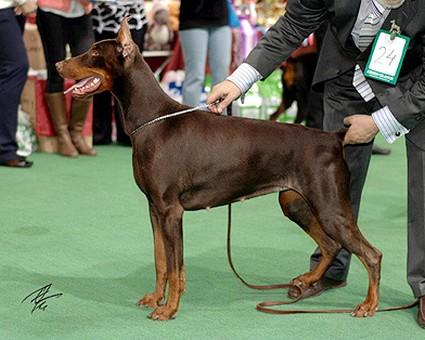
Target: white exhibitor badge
[386, 57]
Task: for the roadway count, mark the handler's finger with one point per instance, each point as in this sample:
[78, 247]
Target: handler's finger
[223, 94]
[223, 104]
[351, 137]
[347, 140]
[216, 108]
[347, 121]
[216, 95]
[213, 105]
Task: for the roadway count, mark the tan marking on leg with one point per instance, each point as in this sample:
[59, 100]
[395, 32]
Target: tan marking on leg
[309, 223]
[152, 300]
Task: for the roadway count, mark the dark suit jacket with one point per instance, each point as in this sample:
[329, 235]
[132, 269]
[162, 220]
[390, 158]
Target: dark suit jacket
[406, 100]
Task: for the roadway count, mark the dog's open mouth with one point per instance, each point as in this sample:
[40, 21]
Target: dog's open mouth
[85, 86]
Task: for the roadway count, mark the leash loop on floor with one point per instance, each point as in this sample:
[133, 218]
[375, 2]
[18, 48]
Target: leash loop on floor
[265, 306]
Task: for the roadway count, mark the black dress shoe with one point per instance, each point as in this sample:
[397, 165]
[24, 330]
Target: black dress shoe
[421, 312]
[17, 163]
[377, 150]
[316, 288]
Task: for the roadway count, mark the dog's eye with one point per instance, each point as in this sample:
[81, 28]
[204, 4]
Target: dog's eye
[94, 53]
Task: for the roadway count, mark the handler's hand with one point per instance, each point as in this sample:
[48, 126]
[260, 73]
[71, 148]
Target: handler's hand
[362, 129]
[223, 93]
[27, 7]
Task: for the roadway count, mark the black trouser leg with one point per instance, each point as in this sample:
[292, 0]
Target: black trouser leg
[13, 73]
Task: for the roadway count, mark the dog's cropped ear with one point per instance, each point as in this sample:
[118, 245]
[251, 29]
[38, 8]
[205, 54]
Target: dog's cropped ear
[127, 46]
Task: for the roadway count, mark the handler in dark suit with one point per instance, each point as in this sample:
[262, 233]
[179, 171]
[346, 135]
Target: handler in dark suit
[368, 106]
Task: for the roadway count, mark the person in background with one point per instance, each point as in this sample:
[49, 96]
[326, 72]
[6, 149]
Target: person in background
[13, 73]
[204, 32]
[61, 23]
[107, 17]
[368, 106]
[235, 27]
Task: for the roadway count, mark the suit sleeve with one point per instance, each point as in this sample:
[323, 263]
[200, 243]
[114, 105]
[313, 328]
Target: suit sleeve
[408, 103]
[302, 17]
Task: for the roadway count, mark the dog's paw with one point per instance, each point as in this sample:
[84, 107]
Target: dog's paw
[299, 282]
[163, 313]
[150, 300]
[364, 310]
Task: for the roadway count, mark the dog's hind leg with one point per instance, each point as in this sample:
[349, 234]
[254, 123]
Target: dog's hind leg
[297, 210]
[153, 299]
[335, 214]
[170, 223]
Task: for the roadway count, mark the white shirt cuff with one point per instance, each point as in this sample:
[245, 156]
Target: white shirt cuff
[388, 125]
[244, 77]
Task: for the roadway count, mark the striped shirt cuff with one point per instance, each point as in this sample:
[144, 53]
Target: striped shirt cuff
[244, 77]
[388, 125]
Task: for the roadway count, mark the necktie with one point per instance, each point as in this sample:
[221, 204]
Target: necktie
[370, 27]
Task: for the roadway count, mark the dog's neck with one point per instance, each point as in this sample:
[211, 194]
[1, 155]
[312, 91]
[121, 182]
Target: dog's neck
[140, 96]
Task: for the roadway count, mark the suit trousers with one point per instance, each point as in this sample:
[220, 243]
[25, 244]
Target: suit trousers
[341, 99]
[416, 218]
[13, 73]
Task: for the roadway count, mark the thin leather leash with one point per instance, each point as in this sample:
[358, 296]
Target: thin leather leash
[265, 306]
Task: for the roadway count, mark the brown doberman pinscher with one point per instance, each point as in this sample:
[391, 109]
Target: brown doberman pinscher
[199, 160]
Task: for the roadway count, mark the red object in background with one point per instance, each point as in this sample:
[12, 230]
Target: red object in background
[31, 18]
[43, 123]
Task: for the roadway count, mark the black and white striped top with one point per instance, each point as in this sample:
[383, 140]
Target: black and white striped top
[107, 15]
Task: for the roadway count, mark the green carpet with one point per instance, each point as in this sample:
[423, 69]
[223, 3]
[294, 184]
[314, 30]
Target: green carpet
[83, 226]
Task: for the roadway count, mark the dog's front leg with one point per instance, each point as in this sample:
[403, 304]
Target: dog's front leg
[170, 222]
[152, 300]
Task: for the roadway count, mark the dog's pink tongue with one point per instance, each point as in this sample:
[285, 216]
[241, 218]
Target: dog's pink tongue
[81, 83]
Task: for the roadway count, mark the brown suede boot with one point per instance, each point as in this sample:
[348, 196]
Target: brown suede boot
[79, 109]
[57, 109]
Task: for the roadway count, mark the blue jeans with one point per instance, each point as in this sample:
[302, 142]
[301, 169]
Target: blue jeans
[197, 45]
[13, 73]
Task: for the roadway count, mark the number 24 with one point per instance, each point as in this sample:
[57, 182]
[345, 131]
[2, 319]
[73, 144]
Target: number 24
[390, 56]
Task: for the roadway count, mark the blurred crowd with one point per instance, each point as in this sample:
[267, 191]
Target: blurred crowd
[69, 28]
[208, 31]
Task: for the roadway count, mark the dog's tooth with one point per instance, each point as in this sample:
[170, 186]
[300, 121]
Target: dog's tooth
[208, 209]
